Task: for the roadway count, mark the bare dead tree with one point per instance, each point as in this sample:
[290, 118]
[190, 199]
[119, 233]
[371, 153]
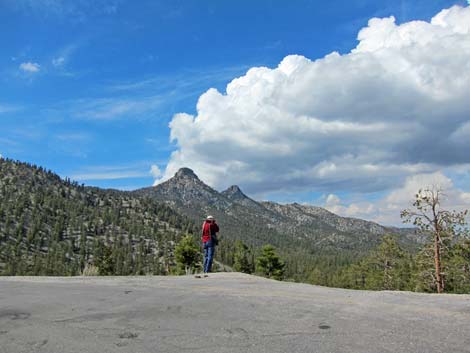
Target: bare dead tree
[440, 224]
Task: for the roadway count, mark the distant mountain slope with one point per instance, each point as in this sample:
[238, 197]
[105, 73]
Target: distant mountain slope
[187, 194]
[258, 222]
[54, 226]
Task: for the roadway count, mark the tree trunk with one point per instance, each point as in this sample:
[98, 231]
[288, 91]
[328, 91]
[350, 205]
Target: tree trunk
[386, 280]
[437, 238]
[437, 263]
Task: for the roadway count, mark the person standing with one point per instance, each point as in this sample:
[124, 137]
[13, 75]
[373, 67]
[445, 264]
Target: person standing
[209, 241]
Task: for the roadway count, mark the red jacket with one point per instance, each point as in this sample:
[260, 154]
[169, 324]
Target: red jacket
[208, 228]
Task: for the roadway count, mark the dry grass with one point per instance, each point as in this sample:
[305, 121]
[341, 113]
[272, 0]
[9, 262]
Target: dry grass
[90, 270]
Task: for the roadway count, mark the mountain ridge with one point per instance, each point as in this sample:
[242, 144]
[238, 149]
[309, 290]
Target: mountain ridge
[53, 226]
[238, 213]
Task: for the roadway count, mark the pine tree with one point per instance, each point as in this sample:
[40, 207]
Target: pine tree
[440, 224]
[388, 258]
[458, 271]
[241, 256]
[269, 263]
[187, 254]
[104, 260]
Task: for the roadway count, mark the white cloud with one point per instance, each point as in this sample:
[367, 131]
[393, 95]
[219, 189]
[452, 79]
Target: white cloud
[354, 209]
[73, 137]
[395, 106]
[387, 209]
[462, 134]
[109, 108]
[59, 61]
[30, 67]
[75, 11]
[413, 183]
[109, 173]
[64, 55]
[332, 200]
[155, 172]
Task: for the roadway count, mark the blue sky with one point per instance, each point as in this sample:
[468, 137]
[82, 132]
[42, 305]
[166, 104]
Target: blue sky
[88, 88]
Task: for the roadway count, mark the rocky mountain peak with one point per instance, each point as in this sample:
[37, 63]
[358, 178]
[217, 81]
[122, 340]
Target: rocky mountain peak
[186, 173]
[240, 214]
[236, 195]
[233, 190]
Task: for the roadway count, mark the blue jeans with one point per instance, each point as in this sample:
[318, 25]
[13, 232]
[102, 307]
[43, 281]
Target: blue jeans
[209, 248]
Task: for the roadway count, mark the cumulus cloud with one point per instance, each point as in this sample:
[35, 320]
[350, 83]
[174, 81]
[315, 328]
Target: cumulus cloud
[332, 200]
[387, 209]
[30, 67]
[155, 172]
[395, 107]
[361, 209]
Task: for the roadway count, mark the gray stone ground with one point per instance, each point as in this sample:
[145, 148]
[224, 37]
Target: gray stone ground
[227, 312]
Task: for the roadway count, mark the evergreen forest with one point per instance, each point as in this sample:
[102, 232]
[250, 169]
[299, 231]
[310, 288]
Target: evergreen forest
[57, 227]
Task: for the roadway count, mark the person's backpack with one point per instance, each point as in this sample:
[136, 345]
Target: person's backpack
[214, 235]
[214, 239]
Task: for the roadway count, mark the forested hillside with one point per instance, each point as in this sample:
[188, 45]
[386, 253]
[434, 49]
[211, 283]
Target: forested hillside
[257, 223]
[50, 226]
[310, 239]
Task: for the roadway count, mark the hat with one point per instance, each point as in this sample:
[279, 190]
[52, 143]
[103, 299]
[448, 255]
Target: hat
[210, 218]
